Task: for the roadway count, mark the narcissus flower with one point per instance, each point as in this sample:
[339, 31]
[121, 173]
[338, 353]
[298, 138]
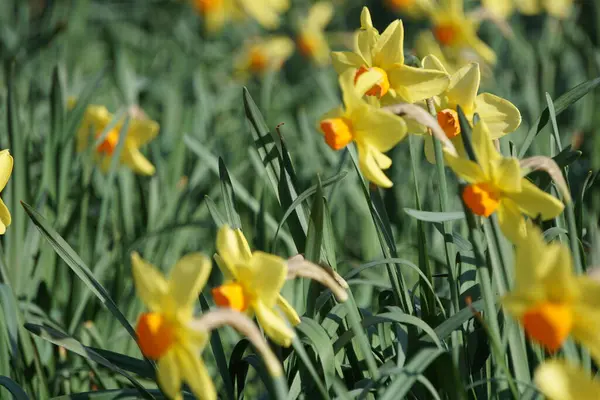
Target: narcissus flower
[457, 31]
[500, 115]
[561, 380]
[496, 184]
[412, 8]
[374, 130]
[265, 12]
[215, 13]
[264, 54]
[385, 54]
[140, 131]
[166, 333]
[253, 281]
[504, 8]
[6, 167]
[311, 39]
[549, 300]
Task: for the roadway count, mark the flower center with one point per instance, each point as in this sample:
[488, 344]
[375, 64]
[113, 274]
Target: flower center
[446, 33]
[231, 295]
[306, 45]
[109, 144]
[481, 198]
[380, 88]
[399, 4]
[549, 324]
[206, 6]
[448, 120]
[338, 132]
[155, 334]
[258, 60]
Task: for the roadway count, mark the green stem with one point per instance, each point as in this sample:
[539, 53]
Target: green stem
[361, 337]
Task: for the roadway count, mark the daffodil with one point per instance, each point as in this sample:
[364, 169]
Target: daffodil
[412, 8]
[6, 166]
[496, 184]
[561, 380]
[167, 333]
[262, 55]
[504, 8]
[500, 115]
[549, 300]
[140, 131]
[456, 31]
[385, 54]
[265, 12]
[311, 39]
[253, 281]
[216, 13]
[374, 130]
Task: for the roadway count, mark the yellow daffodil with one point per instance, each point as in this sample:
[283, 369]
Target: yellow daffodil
[412, 8]
[263, 55]
[253, 282]
[166, 333]
[504, 8]
[500, 115]
[561, 380]
[385, 54]
[215, 13]
[458, 32]
[374, 130]
[6, 166]
[496, 184]
[549, 300]
[265, 12]
[311, 39]
[141, 130]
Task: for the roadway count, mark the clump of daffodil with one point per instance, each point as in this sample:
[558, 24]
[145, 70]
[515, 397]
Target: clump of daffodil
[6, 167]
[562, 380]
[253, 281]
[549, 300]
[140, 131]
[412, 8]
[456, 31]
[262, 55]
[504, 8]
[497, 184]
[311, 40]
[215, 13]
[385, 54]
[165, 332]
[374, 130]
[500, 115]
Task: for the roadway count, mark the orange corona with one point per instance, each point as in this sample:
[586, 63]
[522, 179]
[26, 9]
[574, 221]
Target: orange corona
[155, 335]
[379, 89]
[206, 6]
[109, 144]
[306, 45]
[258, 60]
[446, 34]
[481, 198]
[549, 324]
[338, 132]
[399, 4]
[231, 295]
[448, 120]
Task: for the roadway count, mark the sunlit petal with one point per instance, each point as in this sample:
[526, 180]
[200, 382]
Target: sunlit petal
[150, 283]
[265, 275]
[561, 381]
[274, 325]
[535, 202]
[416, 84]
[188, 277]
[500, 115]
[168, 375]
[195, 374]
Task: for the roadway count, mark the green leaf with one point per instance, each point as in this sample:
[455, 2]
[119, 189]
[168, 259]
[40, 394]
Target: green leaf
[233, 217]
[17, 392]
[214, 212]
[430, 216]
[316, 336]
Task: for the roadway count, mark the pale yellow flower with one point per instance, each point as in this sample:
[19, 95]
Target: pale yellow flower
[265, 12]
[384, 53]
[6, 167]
[412, 8]
[167, 332]
[311, 39]
[504, 8]
[262, 55]
[561, 380]
[216, 13]
[139, 132]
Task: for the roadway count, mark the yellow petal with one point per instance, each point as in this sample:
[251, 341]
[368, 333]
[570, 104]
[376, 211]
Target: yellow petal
[500, 8]
[169, 375]
[233, 250]
[365, 18]
[134, 159]
[484, 148]
[534, 202]
[463, 88]
[465, 169]
[416, 84]
[187, 278]
[529, 7]
[371, 161]
[150, 283]
[433, 62]
[274, 326]
[287, 310]
[263, 12]
[380, 129]
[426, 46]
[6, 167]
[344, 60]
[500, 115]
[195, 374]
[319, 15]
[561, 381]
[506, 174]
[558, 8]
[511, 221]
[366, 37]
[142, 131]
[389, 49]
[556, 265]
[586, 327]
[264, 275]
[5, 218]
[94, 120]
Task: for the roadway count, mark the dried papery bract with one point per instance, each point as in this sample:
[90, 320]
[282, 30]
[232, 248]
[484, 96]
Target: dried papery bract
[299, 267]
[241, 323]
[547, 164]
[421, 116]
